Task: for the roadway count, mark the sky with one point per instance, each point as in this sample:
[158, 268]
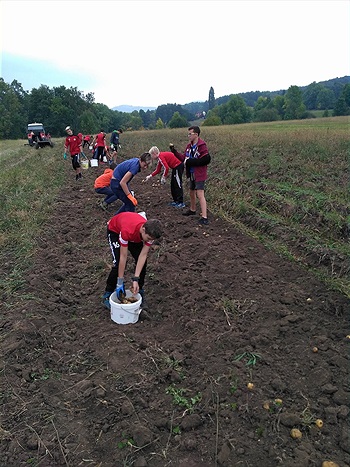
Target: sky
[148, 53]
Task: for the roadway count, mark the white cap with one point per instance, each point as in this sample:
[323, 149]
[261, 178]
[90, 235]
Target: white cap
[68, 128]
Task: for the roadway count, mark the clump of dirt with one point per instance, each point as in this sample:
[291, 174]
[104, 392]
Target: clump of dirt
[241, 348]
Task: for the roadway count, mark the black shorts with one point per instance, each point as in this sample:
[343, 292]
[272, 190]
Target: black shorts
[76, 161]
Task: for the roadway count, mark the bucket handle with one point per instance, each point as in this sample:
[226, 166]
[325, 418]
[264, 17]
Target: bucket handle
[128, 311]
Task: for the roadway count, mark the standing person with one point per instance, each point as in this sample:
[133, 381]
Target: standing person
[102, 187]
[129, 231]
[122, 176]
[114, 143]
[100, 141]
[196, 159]
[167, 160]
[73, 144]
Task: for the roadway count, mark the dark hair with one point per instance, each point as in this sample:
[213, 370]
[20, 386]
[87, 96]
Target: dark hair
[195, 129]
[146, 157]
[120, 130]
[113, 165]
[153, 228]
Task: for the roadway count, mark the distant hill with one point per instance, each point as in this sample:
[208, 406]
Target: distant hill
[131, 108]
[250, 97]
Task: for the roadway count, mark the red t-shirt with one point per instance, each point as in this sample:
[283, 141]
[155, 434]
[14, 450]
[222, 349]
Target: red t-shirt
[127, 225]
[100, 140]
[73, 144]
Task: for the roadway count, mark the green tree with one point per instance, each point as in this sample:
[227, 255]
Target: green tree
[178, 121]
[293, 104]
[325, 99]
[211, 99]
[234, 111]
[212, 119]
[278, 104]
[88, 122]
[9, 108]
[342, 106]
[135, 121]
[159, 124]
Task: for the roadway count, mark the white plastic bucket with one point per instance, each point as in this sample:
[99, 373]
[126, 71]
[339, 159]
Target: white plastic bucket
[84, 164]
[94, 162]
[127, 313]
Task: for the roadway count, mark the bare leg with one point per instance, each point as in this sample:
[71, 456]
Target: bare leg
[202, 202]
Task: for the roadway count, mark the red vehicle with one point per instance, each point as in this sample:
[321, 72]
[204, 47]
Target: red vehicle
[37, 136]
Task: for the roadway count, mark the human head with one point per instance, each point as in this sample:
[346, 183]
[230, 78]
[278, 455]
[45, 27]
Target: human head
[194, 129]
[113, 165]
[153, 228]
[154, 151]
[120, 130]
[145, 160]
[69, 130]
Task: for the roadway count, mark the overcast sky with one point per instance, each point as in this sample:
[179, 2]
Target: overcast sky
[149, 53]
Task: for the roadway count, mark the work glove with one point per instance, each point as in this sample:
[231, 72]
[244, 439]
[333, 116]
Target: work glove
[119, 145]
[148, 177]
[65, 156]
[163, 180]
[172, 147]
[120, 290]
[112, 146]
[132, 199]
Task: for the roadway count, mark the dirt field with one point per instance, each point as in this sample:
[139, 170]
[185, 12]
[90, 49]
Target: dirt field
[81, 390]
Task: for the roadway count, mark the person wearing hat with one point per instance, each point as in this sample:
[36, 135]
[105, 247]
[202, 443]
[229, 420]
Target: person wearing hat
[73, 144]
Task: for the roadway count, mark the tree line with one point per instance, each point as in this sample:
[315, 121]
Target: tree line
[59, 106]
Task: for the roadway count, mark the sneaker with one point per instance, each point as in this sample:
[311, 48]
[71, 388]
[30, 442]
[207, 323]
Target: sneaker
[203, 221]
[104, 205]
[180, 205]
[189, 213]
[105, 300]
[172, 204]
[76, 177]
[80, 175]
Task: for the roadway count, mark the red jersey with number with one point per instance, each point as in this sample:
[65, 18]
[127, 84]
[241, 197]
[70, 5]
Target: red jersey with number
[73, 143]
[128, 225]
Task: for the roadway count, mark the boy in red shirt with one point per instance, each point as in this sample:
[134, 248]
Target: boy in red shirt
[100, 140]
[73, 144]
[129, 231]
[102, 187]
[166, 161]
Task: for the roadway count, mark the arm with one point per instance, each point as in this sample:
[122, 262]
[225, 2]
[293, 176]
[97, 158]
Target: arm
[139, 266]
[176, 153]
[124, 183]
[204, 160]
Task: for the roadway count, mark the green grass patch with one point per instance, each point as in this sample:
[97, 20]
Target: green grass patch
[29, 182]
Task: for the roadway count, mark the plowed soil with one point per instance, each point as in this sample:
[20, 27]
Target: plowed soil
[79, 389]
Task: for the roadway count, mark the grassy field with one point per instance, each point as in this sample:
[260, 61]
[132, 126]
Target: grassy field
[285, 183]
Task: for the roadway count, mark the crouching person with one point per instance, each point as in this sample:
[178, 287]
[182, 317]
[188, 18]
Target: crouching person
[129, 231]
